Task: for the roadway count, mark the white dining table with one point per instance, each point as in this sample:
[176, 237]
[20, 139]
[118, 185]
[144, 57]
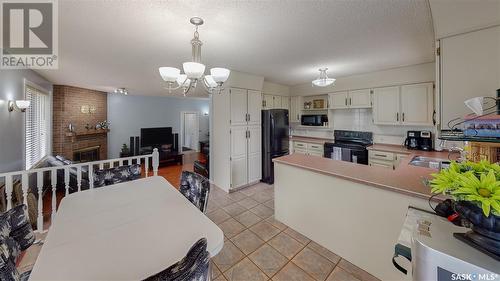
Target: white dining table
[127, 231]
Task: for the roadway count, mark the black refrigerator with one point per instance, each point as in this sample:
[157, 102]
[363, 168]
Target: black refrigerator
[274, 140]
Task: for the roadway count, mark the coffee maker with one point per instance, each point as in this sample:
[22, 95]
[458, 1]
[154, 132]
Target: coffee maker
[412, 140]
[425, 140]
[421, 140]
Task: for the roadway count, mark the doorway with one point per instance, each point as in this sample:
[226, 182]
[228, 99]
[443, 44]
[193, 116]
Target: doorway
[190, 132]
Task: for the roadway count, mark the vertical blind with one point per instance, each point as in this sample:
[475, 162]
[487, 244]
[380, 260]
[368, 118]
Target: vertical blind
[36, 126]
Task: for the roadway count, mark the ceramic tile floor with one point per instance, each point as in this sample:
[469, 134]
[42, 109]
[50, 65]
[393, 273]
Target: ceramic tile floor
[258, 247]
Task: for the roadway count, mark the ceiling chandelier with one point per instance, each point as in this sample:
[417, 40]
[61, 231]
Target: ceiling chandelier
[323, 79]
[194, 71]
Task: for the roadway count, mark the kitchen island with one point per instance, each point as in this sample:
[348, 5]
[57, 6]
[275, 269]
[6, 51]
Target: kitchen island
[353, 210]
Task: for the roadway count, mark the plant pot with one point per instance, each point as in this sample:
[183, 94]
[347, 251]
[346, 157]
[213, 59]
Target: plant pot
[486, 229]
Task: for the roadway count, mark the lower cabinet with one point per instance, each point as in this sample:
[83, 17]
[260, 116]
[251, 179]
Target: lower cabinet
[246, 155]
[385, 159]
[306, 148]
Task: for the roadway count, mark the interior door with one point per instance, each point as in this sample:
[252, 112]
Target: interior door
[191, 131]
[238, 106]
[254, 154]
[386, 106]
[254, 107]
[360, 99]
[338, 100]
[417, 104]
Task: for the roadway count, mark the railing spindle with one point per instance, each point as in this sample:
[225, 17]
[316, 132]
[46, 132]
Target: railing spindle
[8, 191]
[39, 183]
[79, 178]
[91, 176]
[24, 187]
[101, 166]
[146, 166]
[156, 161]
[66, 180]
[53, 181]
[120, 163]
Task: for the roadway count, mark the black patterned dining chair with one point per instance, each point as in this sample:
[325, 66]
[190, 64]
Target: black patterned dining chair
[16, 235]
[195, 188]
[193, 267]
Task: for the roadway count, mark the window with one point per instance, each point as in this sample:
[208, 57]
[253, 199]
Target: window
[36, 126]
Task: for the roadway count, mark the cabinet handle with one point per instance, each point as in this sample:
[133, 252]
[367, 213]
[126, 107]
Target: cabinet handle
[434, 117]
[350, 101]
[248, 134]
[403, 116]
[397, 116]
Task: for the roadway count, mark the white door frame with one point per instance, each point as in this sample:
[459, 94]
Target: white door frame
[197, 131]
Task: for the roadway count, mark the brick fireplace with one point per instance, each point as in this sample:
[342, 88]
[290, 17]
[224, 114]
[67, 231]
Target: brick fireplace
[67, 109]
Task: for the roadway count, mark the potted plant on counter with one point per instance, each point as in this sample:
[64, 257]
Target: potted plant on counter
[475, 191]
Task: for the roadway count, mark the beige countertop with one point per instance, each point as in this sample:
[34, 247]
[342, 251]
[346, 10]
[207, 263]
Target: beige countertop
[310, 139]
[406, 179]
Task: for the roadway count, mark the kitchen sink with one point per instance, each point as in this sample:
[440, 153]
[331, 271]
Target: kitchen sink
[430, 162]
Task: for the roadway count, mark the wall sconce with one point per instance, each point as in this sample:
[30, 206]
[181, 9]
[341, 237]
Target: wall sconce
[20, 105]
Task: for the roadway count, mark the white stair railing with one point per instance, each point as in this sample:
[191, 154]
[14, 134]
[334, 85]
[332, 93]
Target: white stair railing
[43, 174]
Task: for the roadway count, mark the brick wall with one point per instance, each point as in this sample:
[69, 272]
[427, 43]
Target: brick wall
[67, 102]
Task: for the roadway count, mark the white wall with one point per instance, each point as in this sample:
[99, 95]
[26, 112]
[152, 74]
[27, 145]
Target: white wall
[275, 89]
[128, 114]
[12, 123]
[451, 17]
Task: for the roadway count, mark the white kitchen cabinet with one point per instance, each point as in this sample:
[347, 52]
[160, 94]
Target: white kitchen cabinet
[285, 103]
[295, 107]
[254, 154]
[386, 106]
[267, 101]
[417, 104]
[307, 148]
[338, 100]
[238, 106]
[276, 101]
[254, 99]
[239, 172]
[350, 99]
[360, 99]
[239, 142]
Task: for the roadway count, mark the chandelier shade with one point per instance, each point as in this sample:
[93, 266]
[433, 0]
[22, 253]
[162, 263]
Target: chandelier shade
[219, 74]
[193, 70]
[183, 81]
[210, 81]
[323, 80]
[169, 74]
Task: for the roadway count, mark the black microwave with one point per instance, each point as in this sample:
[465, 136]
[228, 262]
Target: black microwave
[314, 120]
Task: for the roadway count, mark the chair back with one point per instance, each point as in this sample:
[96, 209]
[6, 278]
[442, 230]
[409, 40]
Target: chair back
[195, 188]
[194, 266]
[16, 235]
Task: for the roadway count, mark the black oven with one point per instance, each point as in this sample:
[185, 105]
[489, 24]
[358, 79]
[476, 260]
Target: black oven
[314, 120]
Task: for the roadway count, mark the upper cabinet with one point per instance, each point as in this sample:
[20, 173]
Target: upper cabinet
[245, 107]
[417, 104]
[275, 102]
[295, 107]
[267, 101]
[350, 99]
[386, 106]
[404, 105]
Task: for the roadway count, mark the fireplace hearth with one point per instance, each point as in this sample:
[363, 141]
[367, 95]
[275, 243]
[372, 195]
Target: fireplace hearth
[87, 154]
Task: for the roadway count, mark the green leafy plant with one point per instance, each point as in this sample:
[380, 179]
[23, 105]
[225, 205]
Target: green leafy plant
[474, 182]
[125, 149]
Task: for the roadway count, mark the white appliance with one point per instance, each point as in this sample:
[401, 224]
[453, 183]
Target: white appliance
[437, 255]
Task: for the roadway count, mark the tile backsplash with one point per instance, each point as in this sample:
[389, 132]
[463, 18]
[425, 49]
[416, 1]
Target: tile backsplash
[360, 120]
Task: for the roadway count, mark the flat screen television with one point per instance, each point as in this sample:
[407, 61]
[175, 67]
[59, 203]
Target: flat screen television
[156, 136]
